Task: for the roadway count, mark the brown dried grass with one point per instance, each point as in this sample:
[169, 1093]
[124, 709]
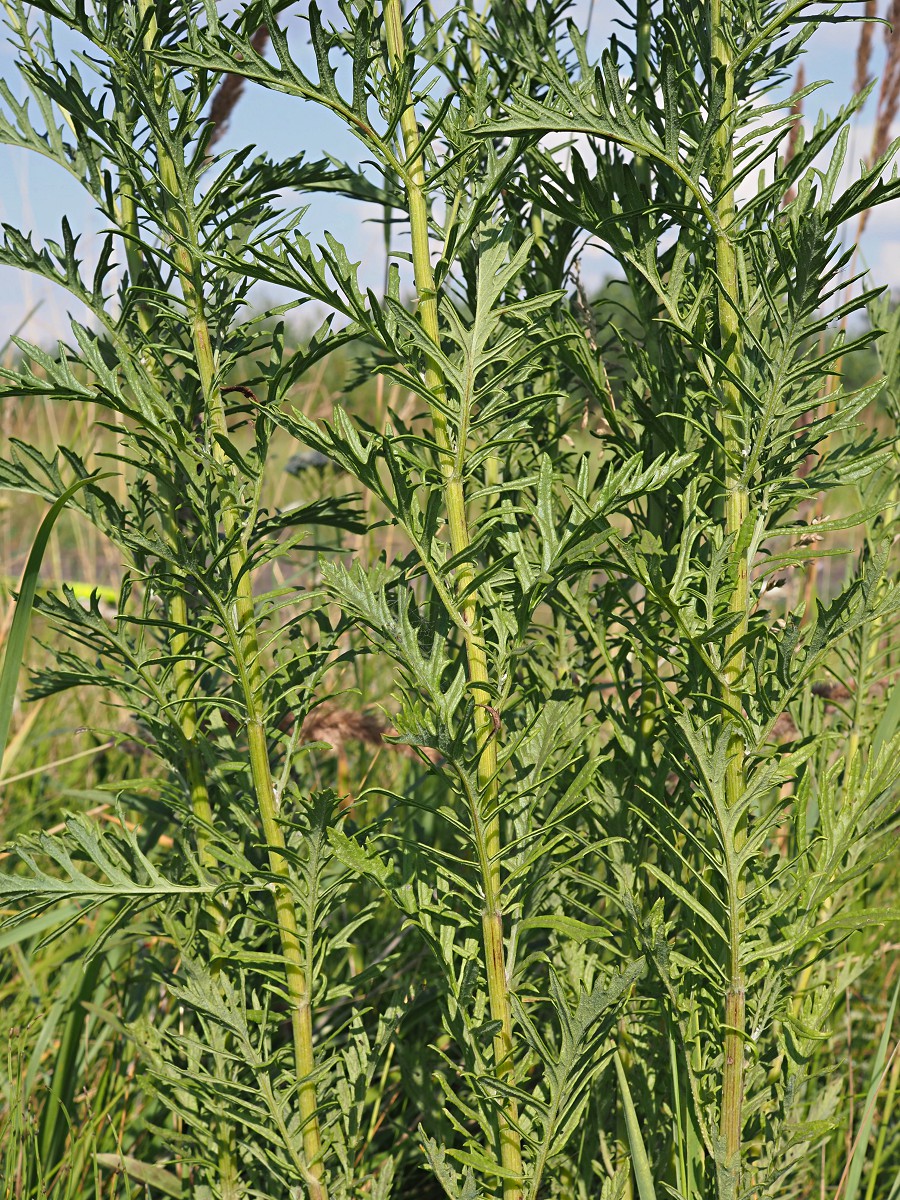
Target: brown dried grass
[888, 95]
[864, 50]
[793, 140]
[796, 113]
[334, 725]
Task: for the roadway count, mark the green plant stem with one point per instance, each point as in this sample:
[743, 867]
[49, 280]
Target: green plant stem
[884, 1125]
[178, 611]
[735, 515]
[642, 81]
[186, 712]
[252, 675]
[486, 817]
[297, 969]
[650, 662]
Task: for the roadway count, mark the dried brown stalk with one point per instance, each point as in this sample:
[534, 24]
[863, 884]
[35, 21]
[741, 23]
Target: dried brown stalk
[888, 96]
[100, 811]
[336, 726]
[784, 729]
[229, 91]
[893, 19]
[888, 104]
[796, 125]
[837, 692]
[889, 101]
[864, 50]
[796, 113]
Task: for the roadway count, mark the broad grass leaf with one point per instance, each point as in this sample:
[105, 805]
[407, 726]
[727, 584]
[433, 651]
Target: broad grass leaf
[643, 1175]
[880, 1065]
[148, 1174]
[18, 633]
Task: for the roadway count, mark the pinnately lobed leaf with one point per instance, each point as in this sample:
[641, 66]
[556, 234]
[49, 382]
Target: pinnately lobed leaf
[502, 786]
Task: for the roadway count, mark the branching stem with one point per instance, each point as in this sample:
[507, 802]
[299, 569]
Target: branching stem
[487, 818]
[187, 712]
[297, 968]
[650, 662]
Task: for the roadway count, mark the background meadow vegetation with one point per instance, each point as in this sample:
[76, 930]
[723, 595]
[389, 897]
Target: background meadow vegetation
[456, 749]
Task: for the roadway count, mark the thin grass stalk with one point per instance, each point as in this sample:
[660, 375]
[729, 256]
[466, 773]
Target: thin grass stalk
[735, 515]
[884, 1125]
[864, 49]
[251, 674]
[486, 818]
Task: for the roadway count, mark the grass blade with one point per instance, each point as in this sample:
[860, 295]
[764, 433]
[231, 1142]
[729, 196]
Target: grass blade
[147, 1173]
[58, 1111]
[639, 1160]
[854, 1169]
[18, 632]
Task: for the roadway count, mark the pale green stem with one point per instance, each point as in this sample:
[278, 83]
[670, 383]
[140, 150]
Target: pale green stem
[288, 925]
[884, 1125]
[868, 651]
[297, 970]
[650, 664]
[183, 676]
[187, 712]
[642, 81]
[735, 514]
[487, 819]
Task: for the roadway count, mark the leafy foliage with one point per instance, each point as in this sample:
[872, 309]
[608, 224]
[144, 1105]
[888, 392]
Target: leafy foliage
[583, 931]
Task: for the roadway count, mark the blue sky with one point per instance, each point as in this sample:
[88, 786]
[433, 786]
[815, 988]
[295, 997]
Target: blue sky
[35, 194]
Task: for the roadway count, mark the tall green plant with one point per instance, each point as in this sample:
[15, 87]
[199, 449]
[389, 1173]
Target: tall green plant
[622, 832]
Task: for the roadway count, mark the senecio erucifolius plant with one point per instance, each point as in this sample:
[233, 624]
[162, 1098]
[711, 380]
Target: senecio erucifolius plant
[572, 918]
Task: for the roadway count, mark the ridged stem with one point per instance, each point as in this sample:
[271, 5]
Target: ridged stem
[735, 515]
[187, 719]
[178, 610]
[486, 818]
[297, 969]
[643, 31]
[186, 712]
[650, 662]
